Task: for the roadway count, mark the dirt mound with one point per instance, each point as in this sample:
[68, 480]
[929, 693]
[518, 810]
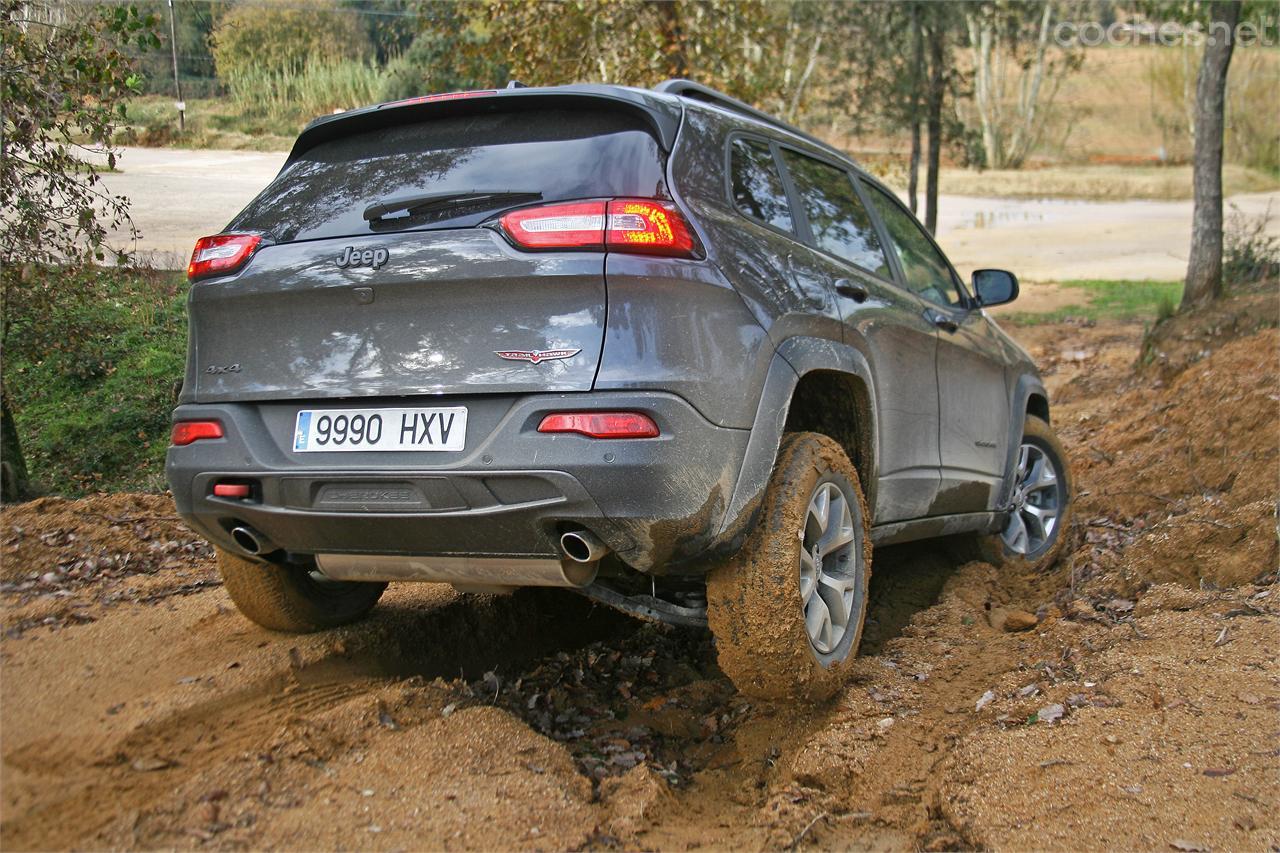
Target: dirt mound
[110, 547]
[1184, 339]
[1185, 472]
[1123, 712]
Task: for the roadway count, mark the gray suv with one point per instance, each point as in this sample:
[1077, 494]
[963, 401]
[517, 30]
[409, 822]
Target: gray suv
[654, 346]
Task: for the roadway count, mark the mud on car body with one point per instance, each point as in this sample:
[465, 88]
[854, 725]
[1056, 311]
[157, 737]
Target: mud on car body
[655, 346]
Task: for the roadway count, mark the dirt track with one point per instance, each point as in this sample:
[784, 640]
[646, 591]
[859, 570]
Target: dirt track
[141, 711]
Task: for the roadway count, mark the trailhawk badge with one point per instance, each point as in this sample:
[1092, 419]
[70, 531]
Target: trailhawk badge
[537, 356]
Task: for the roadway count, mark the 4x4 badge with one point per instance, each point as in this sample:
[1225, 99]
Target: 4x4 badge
[536, 356]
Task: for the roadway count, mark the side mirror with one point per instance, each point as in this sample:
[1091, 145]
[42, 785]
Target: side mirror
[995, 287]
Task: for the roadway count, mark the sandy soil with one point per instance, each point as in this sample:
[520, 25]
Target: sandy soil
[1136, 708]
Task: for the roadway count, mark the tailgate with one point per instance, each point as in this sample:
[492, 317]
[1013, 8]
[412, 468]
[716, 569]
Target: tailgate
[431, 319]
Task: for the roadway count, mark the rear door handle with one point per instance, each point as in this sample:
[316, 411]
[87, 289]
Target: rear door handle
[855, 290]
[942, 321]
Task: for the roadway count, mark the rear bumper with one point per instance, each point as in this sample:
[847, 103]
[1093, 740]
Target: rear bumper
[656, 502]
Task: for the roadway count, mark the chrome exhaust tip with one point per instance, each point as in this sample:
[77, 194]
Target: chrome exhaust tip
[252, 542]
[582, 546]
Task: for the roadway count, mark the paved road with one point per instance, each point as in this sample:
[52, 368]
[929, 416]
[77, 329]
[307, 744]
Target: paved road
[180, 195]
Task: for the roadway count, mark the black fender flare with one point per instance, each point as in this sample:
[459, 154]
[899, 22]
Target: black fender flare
[1026, 386]
[794, 358]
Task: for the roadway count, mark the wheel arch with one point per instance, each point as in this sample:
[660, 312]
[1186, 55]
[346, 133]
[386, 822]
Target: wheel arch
[804, 372]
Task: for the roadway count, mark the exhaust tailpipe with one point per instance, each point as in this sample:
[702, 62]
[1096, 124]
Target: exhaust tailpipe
[582, 546]
[252, 542]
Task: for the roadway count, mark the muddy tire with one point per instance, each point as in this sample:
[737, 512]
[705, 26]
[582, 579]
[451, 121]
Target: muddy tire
[1042, 493]
[285, 597]
[769, 630]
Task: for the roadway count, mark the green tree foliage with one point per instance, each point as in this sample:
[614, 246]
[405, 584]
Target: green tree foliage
[450, 53]
[257, 37]
[65, 77]
[732, 45]
[195, 60]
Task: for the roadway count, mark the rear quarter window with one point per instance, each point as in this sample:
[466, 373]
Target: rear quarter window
[756, 184]
[562, 154]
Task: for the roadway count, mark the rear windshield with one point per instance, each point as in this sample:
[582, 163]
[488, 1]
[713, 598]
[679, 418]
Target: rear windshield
[560, 154]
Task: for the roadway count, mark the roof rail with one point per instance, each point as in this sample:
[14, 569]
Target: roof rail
[699, 92]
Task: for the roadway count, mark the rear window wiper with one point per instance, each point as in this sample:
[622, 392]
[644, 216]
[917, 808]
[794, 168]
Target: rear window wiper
[423, 203]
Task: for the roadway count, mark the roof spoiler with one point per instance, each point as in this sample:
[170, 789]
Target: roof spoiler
[662, 115]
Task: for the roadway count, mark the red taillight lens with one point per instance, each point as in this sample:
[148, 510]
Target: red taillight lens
[232, 490]
[185, 432]
[647, 226]
[221, 254]
[601, 424]
[638, 225]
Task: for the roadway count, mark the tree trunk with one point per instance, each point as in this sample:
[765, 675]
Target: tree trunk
[1204, 269]
[913, 171]
[937, 89]
[13, 467]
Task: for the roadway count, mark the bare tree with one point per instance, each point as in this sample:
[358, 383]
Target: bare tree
[1204, 269]
[1013, 112]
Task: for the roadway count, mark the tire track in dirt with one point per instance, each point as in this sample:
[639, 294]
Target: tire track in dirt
[96, 781]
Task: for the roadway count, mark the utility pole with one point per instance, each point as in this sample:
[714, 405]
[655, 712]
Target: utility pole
[177, 81]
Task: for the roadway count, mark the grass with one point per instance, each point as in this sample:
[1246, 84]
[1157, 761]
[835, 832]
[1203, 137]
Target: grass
[210, 123]
[1108, 300]
[105, 427]
[264, 111]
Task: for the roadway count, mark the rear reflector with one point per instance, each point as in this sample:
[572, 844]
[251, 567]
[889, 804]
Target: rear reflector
[221, 254]
[185, 432]
[601, 424]
[231, 490]
[635, 225]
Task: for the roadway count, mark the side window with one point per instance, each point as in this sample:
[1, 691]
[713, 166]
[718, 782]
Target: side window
[757, 186]
[839, 222]
[927, 273]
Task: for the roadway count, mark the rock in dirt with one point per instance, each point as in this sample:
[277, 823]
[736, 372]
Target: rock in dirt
[1050, 713]
[1019, 620]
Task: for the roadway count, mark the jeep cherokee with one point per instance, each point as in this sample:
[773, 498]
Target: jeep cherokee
[654, 346]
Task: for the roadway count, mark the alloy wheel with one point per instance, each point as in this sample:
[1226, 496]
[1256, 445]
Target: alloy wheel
[1037, 502]
[829, 568]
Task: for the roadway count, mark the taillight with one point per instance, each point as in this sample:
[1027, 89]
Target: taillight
[221, 254]
[636, 225]
[185, 432]
[601, 424]
[647, 226]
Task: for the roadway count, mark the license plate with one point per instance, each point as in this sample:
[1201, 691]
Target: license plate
[334, 430]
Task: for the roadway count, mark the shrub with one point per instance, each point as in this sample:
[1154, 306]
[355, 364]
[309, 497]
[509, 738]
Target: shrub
[317, 87]
[253, 39]
[447, 56]
[1249, 253]
[94, 412]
